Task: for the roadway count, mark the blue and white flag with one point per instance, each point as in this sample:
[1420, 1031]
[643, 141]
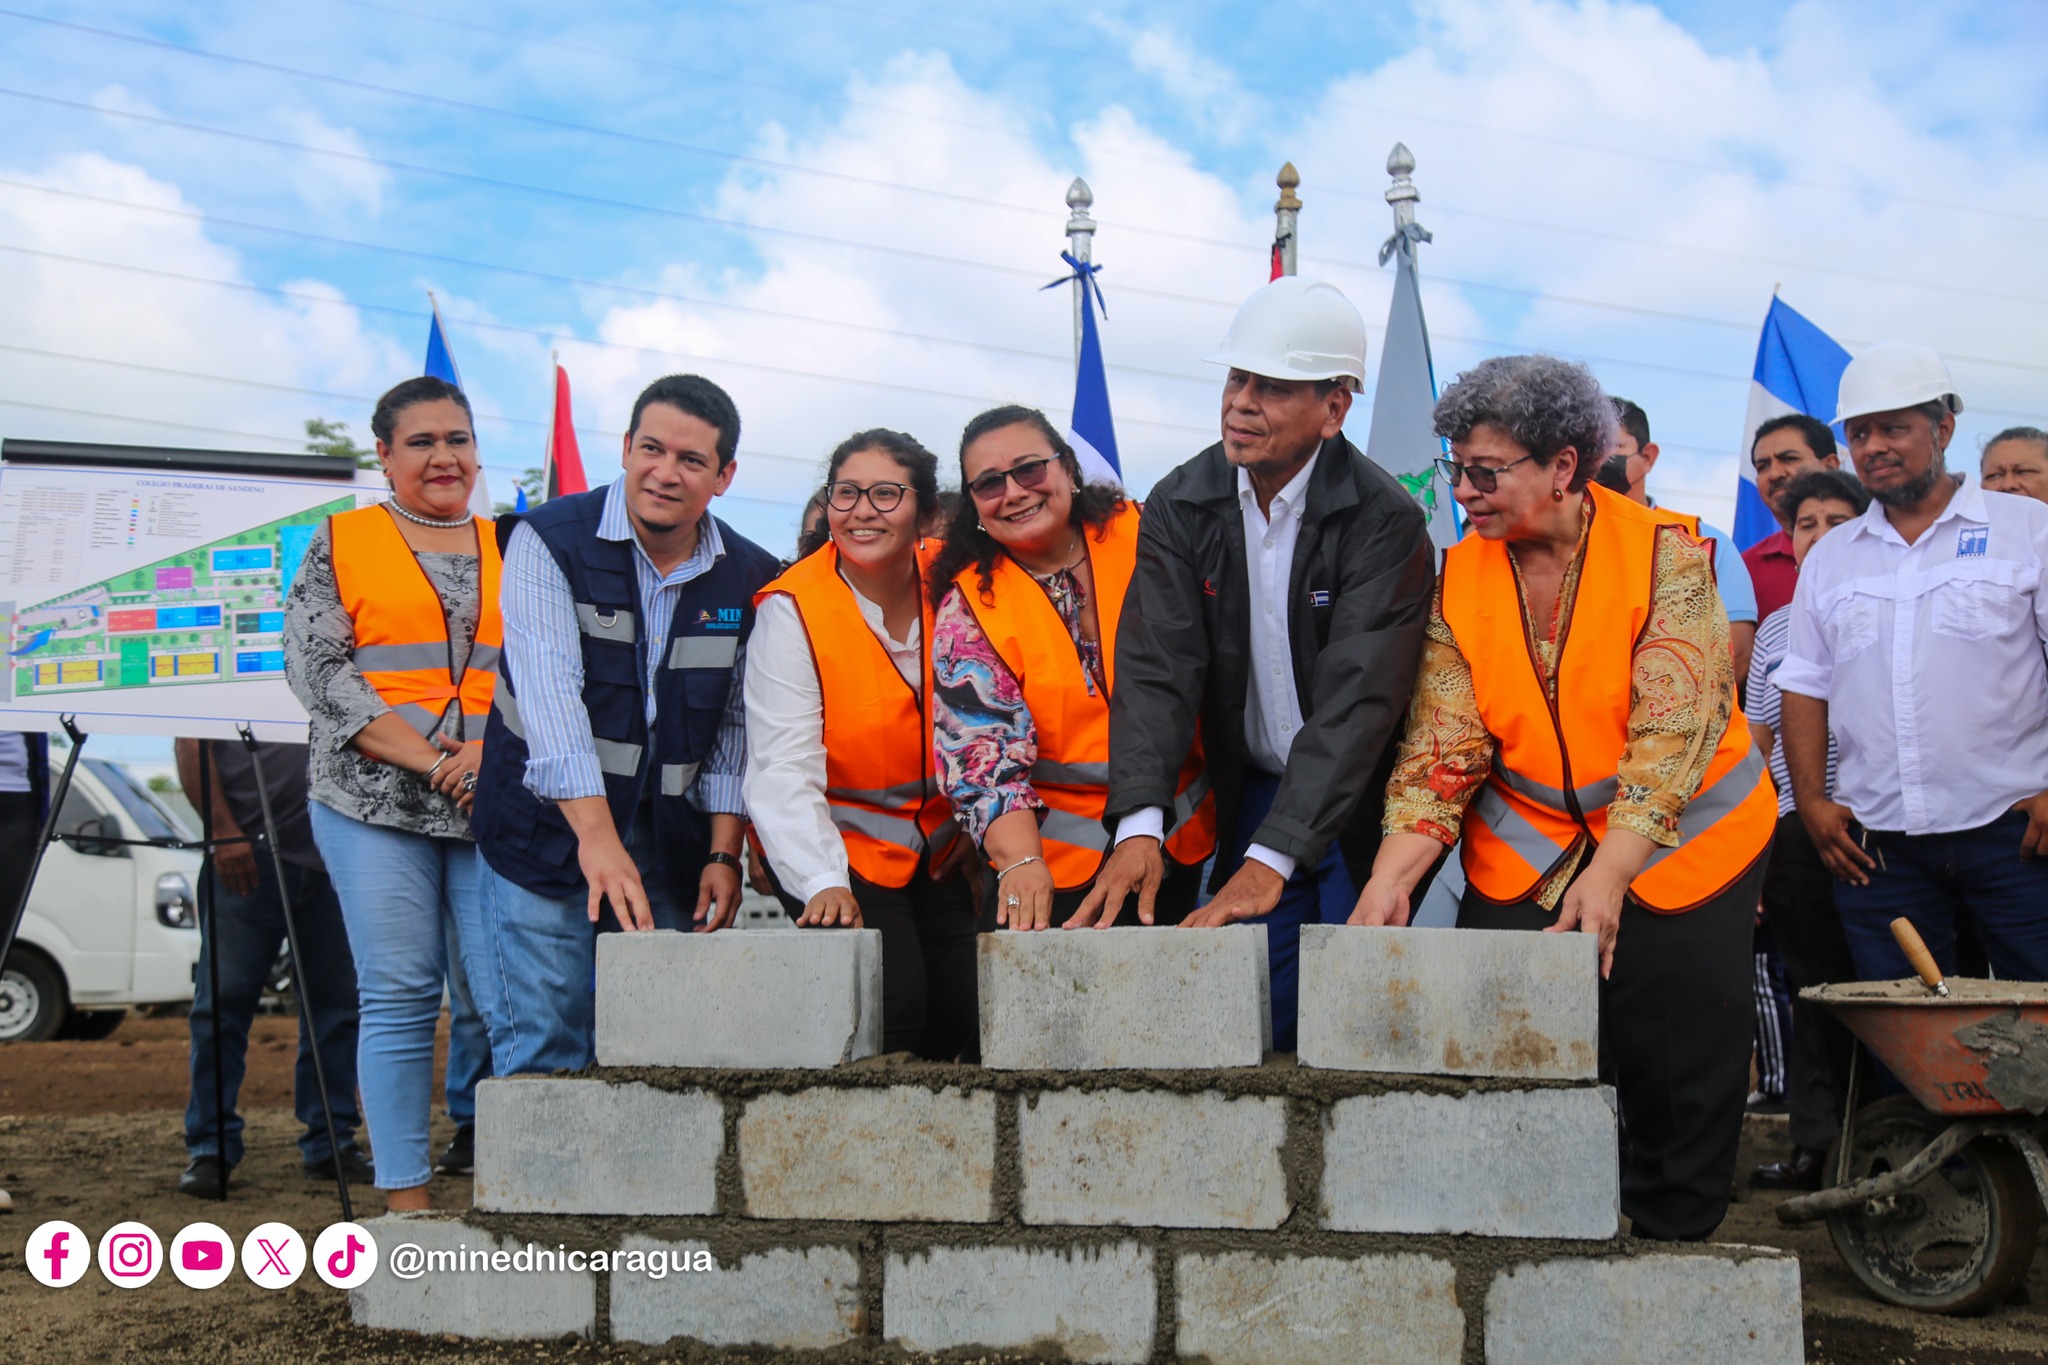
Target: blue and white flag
[441, 365]
[1092, 431]
[1798, 369]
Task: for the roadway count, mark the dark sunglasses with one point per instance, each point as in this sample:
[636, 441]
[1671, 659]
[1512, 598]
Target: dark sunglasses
[885, 497]
[1029, 474]
[1485, 478]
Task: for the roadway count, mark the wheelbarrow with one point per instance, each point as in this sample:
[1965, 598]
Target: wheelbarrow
[1934, 1198]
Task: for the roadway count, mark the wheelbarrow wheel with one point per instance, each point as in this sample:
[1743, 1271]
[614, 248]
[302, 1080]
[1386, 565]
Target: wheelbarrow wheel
[1961, 1240]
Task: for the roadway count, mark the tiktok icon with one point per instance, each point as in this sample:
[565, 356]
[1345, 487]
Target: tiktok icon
[345, 1255]
[57, 1254]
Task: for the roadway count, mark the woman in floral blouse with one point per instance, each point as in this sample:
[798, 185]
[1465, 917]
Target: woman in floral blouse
[1024, 507]
[1574, 732]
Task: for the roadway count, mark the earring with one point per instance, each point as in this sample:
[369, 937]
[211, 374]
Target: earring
[1557, 495]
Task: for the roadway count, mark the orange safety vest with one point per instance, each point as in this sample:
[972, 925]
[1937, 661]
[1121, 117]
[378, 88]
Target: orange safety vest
[1555, 765]
[401, 630]
[880, 781]
[1072, 772]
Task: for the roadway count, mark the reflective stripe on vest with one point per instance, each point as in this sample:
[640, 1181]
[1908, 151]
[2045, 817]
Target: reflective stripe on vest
[401, 629]
[614, 757]
[1555, 768]
[880, 785]
[1071, 773]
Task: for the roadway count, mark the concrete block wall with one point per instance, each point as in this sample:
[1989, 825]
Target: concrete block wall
[1270, 1213]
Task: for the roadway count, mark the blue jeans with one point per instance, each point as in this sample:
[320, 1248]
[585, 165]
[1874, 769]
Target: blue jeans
[1322, 894]
[540, 962]
[246, 932]
[1929, 877]
[410, 903]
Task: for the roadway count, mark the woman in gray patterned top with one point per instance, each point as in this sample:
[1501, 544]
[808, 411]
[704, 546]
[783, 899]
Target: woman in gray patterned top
[391, 636]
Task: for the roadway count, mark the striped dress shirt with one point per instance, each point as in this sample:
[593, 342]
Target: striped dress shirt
[545, 651]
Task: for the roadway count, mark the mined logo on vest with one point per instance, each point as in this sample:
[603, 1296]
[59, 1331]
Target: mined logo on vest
[725, 618]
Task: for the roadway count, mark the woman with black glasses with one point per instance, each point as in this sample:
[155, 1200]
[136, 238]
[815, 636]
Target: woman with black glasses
[840, 783]
[1030, 586]
[1574, 733]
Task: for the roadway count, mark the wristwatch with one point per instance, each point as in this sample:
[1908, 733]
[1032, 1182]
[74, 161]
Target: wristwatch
[726, 858]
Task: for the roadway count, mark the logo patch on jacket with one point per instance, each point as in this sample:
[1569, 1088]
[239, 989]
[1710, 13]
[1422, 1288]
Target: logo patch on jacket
[725, 618]
[1973, 542]
[1319, 597]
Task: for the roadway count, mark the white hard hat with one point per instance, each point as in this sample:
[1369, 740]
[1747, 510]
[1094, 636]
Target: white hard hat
[1297, 329]
[1893, 375]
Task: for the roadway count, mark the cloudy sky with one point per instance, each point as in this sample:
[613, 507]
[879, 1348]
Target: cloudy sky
[218, 220]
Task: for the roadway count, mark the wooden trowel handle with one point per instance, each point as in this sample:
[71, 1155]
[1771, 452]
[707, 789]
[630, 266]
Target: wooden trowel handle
[1915, 949]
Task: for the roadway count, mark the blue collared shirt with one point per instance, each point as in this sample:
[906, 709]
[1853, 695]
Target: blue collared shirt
[545, 651]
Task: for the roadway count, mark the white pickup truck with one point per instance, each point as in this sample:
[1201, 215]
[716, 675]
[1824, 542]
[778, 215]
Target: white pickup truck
[109, 925]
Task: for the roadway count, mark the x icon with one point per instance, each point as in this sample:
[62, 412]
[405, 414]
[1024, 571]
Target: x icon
[273, 1256]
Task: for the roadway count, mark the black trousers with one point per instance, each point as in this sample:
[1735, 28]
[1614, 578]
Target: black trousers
[1174, 903]
[1677, 1022]
[1799, 908]
[928, 974]
[19, 824]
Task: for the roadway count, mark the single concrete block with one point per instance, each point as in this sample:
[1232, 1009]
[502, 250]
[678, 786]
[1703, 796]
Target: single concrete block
[560, 1145]
[1241, 1308]
[1093, 1303]
[1450, 1002]
[1153, 1158]
[1666, 1309]
[1129, 997]
[762, 998]
[1514, 1163]
[437, 1274]
[793, 1298]
[905, 1153]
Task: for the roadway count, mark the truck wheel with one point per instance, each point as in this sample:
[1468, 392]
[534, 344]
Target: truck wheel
[89, 1026]
[32, 1004]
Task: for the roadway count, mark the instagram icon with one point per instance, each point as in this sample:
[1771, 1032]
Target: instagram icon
[130, 1255]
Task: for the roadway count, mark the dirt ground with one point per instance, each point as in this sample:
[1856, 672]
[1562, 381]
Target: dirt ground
[92, 1133]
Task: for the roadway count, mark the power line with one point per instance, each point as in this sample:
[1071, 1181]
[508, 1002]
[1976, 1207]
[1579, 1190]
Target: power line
[1491, 130]
[299, 73]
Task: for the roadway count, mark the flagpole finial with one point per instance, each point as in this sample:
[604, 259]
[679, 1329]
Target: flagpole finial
[1289, 180]
[1402, 194]
[1080, 199]
[1080, 246]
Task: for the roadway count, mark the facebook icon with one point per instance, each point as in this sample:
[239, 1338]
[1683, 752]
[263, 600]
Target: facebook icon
[57, 1254]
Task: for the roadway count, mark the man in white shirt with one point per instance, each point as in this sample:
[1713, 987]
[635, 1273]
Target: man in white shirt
[1918, 635]
[1281, 592]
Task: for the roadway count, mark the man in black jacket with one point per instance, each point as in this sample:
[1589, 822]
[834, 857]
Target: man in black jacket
[1282, 586]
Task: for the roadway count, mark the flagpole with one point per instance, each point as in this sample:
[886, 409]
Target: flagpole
[547, 468]
[1286, 218]
[1081, 246]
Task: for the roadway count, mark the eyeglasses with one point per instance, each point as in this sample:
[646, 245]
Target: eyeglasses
[884, 497]
[1028, 474]
[1485, 478]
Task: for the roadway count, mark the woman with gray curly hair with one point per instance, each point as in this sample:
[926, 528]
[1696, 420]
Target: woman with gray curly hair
[1574, 734]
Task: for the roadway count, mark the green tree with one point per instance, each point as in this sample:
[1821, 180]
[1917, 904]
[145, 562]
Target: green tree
[331, 438]
[530, 480]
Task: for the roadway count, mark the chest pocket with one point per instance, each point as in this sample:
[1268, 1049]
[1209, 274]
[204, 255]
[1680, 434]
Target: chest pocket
[1975, 608]
[1852, 626]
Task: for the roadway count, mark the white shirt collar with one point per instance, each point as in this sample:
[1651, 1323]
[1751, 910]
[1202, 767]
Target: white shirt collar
[1289, 497]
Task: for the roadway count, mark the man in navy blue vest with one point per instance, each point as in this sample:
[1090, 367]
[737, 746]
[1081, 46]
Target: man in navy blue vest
[616, 743]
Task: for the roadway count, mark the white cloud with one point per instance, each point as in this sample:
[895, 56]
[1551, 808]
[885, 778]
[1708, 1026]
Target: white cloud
[330, 184]
[1216, 102]
[147, 319]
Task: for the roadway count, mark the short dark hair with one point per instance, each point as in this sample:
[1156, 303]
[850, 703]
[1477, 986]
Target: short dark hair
[1819, 436]
[1632, 419]
[1831, 485]
[399, 397]
[967, 543]
[700, 398]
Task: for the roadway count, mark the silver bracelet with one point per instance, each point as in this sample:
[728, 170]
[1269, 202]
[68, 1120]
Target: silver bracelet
[428, 775]
[1034, 858]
